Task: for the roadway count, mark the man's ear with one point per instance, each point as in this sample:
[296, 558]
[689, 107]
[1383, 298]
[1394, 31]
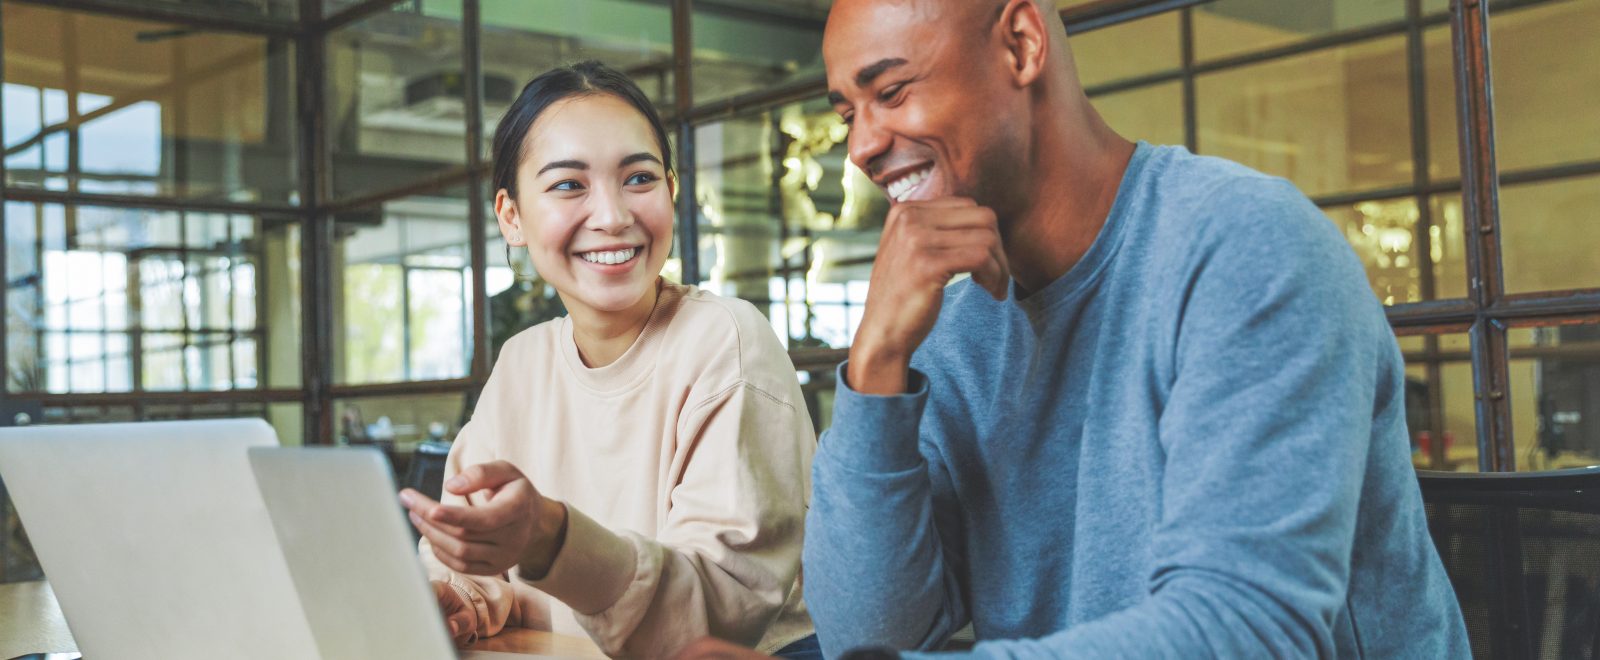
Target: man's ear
[1026, 38]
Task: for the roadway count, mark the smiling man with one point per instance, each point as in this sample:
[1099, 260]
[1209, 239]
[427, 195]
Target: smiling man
[1163, 418]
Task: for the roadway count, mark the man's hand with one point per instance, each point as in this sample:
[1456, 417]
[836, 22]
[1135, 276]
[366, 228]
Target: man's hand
[924, 245]
[515, 526]
[711, 648]
[459, 615]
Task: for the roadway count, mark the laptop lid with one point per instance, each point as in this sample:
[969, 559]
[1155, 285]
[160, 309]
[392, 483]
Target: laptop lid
[349, 552]
[155, 539]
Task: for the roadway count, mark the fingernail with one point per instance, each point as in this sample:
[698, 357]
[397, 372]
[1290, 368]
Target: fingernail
[454, 482]
[405, 497]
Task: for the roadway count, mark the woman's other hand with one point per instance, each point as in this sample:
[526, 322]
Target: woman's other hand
[459, 615]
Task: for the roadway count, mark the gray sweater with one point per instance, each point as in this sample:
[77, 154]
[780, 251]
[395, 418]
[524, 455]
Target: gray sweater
[1192, 444]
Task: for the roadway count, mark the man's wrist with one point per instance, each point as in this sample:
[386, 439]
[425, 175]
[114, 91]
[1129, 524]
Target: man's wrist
[877, 370]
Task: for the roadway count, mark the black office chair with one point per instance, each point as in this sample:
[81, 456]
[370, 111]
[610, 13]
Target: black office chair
[1523, 552]
[426, 472]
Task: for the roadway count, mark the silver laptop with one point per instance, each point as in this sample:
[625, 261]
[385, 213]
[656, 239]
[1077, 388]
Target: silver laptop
[171, 540]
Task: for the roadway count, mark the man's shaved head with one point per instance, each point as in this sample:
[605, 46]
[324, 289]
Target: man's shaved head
[944, 89]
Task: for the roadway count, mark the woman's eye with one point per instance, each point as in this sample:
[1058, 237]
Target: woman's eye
[641, 179]
[569, 184]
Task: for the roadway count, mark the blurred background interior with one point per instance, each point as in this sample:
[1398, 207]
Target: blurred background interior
[280, 208]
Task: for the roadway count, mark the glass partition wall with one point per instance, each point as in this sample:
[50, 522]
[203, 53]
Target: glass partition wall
[280, 208]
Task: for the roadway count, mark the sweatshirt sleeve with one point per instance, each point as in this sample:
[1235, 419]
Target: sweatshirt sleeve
[1278, 359]
[728, 556]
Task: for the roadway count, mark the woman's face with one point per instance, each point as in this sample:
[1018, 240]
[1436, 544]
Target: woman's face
[594, 204]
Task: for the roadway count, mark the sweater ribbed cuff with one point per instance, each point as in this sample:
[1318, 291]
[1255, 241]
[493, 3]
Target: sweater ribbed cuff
[876, 433]
[593, 568]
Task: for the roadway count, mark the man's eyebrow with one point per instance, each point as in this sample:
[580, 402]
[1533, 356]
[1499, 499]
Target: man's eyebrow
[869, 73]
[564, 165]
[835, 98]
[641, 157]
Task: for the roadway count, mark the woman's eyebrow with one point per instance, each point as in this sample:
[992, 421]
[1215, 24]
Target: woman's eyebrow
[641, 157]
[564, 164]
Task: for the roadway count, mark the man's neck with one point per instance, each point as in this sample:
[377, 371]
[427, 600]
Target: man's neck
[1074, 186]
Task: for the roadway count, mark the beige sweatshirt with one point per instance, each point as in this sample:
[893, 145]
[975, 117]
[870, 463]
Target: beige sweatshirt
[685, 466]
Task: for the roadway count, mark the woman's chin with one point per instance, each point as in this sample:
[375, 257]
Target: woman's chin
[614, 298]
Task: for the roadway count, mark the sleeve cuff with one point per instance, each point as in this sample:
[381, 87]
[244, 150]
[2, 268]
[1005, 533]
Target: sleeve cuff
[593, 568]
[876, 433]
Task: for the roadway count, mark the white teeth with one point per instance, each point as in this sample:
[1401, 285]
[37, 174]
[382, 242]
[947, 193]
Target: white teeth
[609, 257]
[899, 189]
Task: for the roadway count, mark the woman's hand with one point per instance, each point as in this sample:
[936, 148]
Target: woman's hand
[459, 615]
[514, 526]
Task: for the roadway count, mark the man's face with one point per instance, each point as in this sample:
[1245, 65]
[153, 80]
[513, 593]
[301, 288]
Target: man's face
[926, 95]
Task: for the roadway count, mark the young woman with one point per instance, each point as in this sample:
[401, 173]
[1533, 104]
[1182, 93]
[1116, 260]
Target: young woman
[637, 471]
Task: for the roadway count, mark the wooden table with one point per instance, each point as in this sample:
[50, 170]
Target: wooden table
[31, 622]
[523, 640]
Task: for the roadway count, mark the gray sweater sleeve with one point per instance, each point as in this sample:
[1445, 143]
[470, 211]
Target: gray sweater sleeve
[877, 570]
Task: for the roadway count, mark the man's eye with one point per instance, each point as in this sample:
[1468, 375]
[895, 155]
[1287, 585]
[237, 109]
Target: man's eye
[890, 92]
[641, 179]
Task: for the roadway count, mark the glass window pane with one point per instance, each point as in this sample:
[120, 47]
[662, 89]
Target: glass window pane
[1153, 114]
[1546, 84]
[1439, 371]
[786, 222]
[146, 108]
[1444, 149]
[522, 39]
[140, 301]
[398, 423]
[396, 325]
[1448, 243]
[438, 322]
[1103, 55]
[396, 98]
[1384, 235]
[756, 44]
[1547, 235]
[1331, 121]
[1233, 27]
[1555, 396]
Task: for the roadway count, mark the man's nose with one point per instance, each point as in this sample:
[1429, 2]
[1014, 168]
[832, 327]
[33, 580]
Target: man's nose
[868, 142]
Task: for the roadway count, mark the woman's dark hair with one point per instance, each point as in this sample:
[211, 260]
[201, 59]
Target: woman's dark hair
[583, 78]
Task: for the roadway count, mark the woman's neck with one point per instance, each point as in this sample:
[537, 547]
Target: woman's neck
[603, 337]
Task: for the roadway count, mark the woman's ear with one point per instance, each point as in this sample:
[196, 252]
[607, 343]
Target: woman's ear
[672, 186]
[505, 211]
